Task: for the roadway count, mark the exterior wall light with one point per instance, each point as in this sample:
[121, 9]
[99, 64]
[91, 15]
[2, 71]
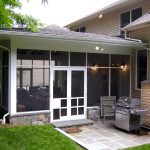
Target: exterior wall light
[123, 67]
[94, 68]
[98, 48]
[100, 16]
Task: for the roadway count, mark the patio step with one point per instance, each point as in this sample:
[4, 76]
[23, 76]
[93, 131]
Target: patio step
[71, 123]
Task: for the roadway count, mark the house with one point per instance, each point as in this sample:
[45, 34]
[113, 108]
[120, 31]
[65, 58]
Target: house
[57, 74]
[123, 16]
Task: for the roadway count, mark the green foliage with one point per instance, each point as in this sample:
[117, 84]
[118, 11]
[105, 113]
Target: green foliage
[8, 17]
[34, 138]
[142, 147]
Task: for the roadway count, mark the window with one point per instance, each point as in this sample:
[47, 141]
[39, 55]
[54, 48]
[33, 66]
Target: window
[125, 19]
[141, 67]
[130, 16]
[136, 13]
[81, 29]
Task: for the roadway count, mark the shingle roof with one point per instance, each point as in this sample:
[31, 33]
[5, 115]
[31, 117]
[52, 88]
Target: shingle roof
[54, 31]
[145, 19]
[60, 31]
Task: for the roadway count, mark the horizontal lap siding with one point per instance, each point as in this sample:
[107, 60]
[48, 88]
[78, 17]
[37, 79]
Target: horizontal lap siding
[145, 102]
[109, 24]
[142, 34]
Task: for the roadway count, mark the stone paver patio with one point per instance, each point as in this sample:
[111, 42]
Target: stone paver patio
[104, 136]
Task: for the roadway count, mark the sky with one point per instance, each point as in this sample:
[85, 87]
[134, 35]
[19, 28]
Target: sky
[61, 12]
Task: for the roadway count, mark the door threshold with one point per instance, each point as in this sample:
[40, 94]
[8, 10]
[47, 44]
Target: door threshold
[71, 123]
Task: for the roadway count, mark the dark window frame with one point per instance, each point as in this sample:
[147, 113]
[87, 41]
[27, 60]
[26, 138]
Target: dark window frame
[131, 17]
[137, 76]
[80, 29]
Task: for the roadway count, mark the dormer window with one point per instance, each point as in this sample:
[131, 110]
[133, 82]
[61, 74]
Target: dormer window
[81, 29]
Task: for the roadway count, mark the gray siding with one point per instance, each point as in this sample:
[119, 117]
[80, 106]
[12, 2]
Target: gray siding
[142, 34]
[109, 24]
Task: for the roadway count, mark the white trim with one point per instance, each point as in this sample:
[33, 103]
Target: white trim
[30, 112]
[57, 100]
[12, 80]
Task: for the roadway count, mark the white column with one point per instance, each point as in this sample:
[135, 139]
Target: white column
[12, 80]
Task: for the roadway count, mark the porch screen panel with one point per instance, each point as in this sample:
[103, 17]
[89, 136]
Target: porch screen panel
[32, 80]
[77, 59]
[4, 61]
[59, 58]
[120, 79]
[98, 60]
[60, 84]
[77, 84]
[97, 85]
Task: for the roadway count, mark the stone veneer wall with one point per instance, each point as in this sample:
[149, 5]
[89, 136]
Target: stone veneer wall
[134, 92]
[28, 119]
[93, 113]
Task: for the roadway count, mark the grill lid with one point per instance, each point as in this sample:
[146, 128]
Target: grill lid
[128, 102]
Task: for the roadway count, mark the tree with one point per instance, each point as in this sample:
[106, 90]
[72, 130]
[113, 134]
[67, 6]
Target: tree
[9, 18]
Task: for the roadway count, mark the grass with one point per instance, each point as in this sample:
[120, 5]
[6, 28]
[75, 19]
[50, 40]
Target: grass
[34, 138]
[142, 147]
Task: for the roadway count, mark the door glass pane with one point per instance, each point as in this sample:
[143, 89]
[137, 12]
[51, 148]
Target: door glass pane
[64, 112]
[56, 114]
[60, 84]
[73, 102]
[77, 84]
[80, 110]
[80, 102]
[73, 111]
[63, 103]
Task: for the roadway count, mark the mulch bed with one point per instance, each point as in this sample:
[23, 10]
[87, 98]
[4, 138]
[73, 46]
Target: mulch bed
[72, 130]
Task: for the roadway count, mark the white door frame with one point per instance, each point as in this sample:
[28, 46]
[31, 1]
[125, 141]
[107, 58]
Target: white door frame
[52, 104]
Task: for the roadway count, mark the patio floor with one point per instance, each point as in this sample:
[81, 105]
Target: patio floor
[104, 136]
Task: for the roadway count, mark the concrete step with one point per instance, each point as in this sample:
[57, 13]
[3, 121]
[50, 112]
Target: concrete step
[71, 123]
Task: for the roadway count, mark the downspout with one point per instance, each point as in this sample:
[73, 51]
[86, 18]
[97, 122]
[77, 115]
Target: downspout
[131, 39]
[3, 121]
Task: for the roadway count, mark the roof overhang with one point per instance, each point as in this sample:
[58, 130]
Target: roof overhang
[131, 27]
[8, 34]
[41, 41]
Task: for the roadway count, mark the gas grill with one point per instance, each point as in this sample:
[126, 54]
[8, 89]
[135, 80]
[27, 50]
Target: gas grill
[128, 112]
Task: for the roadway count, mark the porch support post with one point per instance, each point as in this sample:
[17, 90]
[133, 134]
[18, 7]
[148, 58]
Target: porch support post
[12, 80]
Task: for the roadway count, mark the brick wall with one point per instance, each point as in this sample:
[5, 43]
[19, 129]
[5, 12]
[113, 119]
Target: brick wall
[134, 92]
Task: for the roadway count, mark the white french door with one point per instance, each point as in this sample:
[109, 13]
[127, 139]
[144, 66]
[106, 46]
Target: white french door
[68, 94]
